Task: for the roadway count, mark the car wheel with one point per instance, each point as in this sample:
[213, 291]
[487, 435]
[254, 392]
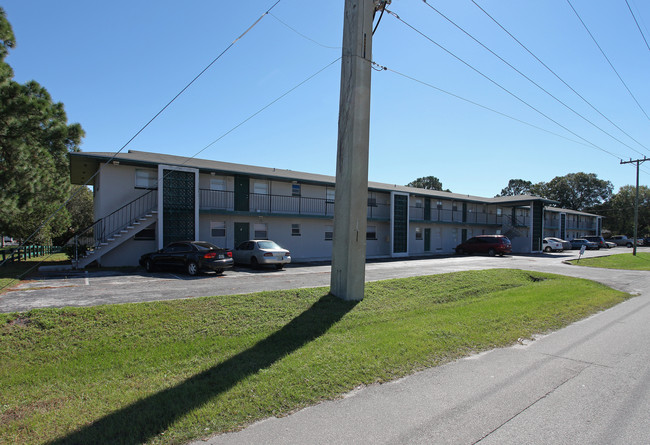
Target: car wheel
[492, 252]
[219, 271]
[192, 268]
[254, 263]
[629, 244]
[460, 251]
[279, 266]
[148, 265]
[547, 249]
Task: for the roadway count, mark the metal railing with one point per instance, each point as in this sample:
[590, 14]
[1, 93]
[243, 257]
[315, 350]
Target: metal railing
[449, 215]
[103, 229]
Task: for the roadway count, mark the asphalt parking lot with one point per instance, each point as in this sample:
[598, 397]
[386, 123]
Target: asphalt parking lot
[89, 288]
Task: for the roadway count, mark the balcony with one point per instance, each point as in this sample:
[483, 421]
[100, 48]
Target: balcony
[447, 215]
[262, 203]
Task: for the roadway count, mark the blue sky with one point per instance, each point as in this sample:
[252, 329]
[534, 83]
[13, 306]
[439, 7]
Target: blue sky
[115, 64]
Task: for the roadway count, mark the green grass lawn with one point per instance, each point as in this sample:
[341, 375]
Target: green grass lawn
[620, 261]
[12, 273]
[168, 372]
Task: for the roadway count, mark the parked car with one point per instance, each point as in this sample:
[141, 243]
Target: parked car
[622, 240]
[579, 242]
[600, 241]
[490, 244]
[552, 245]
[192, 256]
[566, 245]
[261, 252]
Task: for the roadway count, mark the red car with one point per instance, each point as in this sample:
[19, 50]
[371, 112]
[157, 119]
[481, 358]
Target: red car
[490, 244]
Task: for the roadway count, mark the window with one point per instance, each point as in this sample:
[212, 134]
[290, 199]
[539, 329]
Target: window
[146, 179]
[454, 207]
[418, 233]
[371, 232]
[260, 231]
[295, 189]
[329, 233]
[439, 205]
[218, 229]
[218, 184]
[418, 203]
[261, 188]
[499, 212]
[295, 229]
[330, 195]
[372, 202]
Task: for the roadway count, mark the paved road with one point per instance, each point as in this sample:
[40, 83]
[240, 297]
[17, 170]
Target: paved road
[87, 289]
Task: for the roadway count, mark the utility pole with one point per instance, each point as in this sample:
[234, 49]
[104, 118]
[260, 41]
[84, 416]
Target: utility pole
[351, 197]
[636, 200]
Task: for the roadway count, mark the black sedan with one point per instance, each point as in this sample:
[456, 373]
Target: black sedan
[192, 256]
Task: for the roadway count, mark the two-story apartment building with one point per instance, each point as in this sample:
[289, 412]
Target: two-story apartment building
[145, 200]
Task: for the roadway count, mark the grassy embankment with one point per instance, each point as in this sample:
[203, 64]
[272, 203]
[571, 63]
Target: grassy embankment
[619, 261]
[168, 372]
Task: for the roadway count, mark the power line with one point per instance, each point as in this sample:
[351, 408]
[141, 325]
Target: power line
[500, 86]
[607, 58]
[558, 77]
[526, 77]
[469, 101]
[303, 35]
[637, 25]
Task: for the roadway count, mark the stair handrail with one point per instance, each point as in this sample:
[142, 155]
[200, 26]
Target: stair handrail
[113, 223]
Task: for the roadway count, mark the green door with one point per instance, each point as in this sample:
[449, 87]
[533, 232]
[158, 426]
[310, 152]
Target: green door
[427, 240]
[538, 226]
[427, 209]
[242, 233]
[242, 191]
[463, 235]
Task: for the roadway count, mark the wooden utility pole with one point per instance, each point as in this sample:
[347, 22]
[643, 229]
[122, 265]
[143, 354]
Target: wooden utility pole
[636, 200]
[351, 197]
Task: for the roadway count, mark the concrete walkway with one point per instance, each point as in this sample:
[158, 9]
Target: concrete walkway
[587, 383]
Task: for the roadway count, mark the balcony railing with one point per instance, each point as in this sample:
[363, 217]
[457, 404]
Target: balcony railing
[448, 215]
[262, 203]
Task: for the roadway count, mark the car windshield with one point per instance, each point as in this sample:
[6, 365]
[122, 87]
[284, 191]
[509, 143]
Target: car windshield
[268, 245]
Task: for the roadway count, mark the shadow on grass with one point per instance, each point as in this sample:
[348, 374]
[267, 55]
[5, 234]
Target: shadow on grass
[146, 418]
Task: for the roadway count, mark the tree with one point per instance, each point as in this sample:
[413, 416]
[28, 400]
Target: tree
[427, 183]
[516, 187]
[577, 191]
[619, 211]
[35, 140]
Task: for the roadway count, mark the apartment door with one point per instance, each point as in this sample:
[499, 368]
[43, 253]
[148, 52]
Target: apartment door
[242, 232]
[427, 240]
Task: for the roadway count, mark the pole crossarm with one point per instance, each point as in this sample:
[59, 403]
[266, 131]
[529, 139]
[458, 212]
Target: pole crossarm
[638, 162]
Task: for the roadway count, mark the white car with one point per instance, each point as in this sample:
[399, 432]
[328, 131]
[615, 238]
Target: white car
[257, 253]
[552, 245]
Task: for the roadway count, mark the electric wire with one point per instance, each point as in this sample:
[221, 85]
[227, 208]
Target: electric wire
[30, 237]
[469, 101]
[637, 25]
[608, 61]
[528, 78]
[502, 87]
[303, 35]
[558, 77]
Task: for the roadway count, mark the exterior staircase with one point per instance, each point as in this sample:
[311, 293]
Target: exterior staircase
[115, 229]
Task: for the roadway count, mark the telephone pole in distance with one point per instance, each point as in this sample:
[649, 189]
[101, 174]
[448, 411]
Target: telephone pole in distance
[636, 199]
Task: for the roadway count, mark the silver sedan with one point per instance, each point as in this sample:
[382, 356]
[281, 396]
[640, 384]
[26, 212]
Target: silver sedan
[261, 252]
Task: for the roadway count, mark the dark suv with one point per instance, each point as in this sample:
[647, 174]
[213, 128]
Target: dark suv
[490, 244]
[598, 240]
